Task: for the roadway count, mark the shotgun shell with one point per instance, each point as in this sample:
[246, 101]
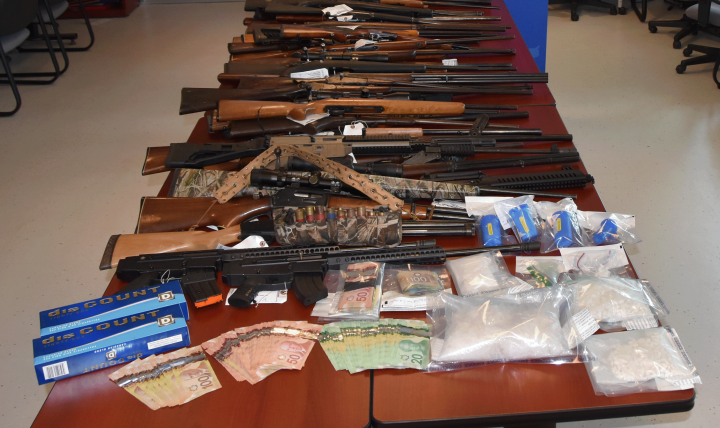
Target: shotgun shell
[331, 213]
[361, 211]
[310, 213]
[299, 215]
[320, 214]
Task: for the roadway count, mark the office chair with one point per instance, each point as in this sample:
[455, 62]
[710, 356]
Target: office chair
[711, 55]
[15, 16]
[575, 3]
[704, 16]
[58, 8]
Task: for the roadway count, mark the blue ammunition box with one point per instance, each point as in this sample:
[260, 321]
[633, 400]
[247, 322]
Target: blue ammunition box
[113, 307]
[109, 342]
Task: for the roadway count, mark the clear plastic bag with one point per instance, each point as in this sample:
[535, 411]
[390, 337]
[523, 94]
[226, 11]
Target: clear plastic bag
[609, 228]
[617, 303]
[490, 232]
[359, 291]
[562, 225]
[530, 327]
[540, 271]
[520, 215]
[597, 262]
[405, 286]
[638, 361]
[484, 274]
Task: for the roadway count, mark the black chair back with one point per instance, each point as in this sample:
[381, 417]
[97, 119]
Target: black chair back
[16, 15]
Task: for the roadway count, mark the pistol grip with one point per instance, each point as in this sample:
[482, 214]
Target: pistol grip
[309, 288]
[145, 280]
[244, 296]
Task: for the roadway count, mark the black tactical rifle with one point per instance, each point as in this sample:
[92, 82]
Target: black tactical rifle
[274, 268]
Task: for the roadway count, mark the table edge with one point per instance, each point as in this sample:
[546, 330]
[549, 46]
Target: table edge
[629, 410]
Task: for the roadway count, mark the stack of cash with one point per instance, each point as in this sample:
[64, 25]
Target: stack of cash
[168, 380]
[254, 353]
[385, 344]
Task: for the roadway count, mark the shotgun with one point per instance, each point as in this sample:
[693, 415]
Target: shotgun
[244, 129]
[193, 100]
[240, 110]
[296, 70]
[161, 225]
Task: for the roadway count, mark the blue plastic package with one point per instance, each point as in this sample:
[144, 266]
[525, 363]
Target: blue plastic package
[491, 231]
[607, 234]
[563, 229]
[523, 219]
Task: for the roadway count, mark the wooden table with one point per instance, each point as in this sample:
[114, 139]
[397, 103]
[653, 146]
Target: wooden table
[319, 396]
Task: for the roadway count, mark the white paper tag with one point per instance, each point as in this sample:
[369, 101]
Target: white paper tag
[452, 61]
[352, 156]
[352, 27]
[263, 296]
[319, 73]
[676, 385]
[310, 118]
[482, 205]
[585, 323]
[640, 323]
[363, 42]
[345, 19]
[337, 10]
[449, 204]
[249, 242]
[393, 302]
[354, 129]
[165, 341]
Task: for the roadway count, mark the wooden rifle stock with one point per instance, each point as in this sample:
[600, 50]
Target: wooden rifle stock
[239, 110]
[165, 215]
[121, 246]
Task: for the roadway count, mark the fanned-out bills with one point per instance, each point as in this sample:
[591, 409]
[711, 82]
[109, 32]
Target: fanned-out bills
[254, 353]
[384, 344]
[168, 380]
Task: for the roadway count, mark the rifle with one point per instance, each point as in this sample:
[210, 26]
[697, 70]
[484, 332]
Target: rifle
[267, 269]
[403, 188]
[239, 110]
[448, 170]
[173, 214]
[450, 26]
[284, 48]
[390, 79]
[280, 69]
[193, 100]
[377, 11]
[229, 215]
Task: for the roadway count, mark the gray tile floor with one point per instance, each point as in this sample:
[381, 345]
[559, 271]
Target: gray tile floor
[71, 159]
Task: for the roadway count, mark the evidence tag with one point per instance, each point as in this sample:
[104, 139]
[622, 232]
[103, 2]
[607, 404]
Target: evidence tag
[563, 229]
[491, 231]
[607, 234]
[522, 217]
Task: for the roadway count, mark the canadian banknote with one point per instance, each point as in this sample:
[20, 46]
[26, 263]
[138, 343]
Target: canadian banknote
[168, 380]
[254, 353]
[384, 344]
